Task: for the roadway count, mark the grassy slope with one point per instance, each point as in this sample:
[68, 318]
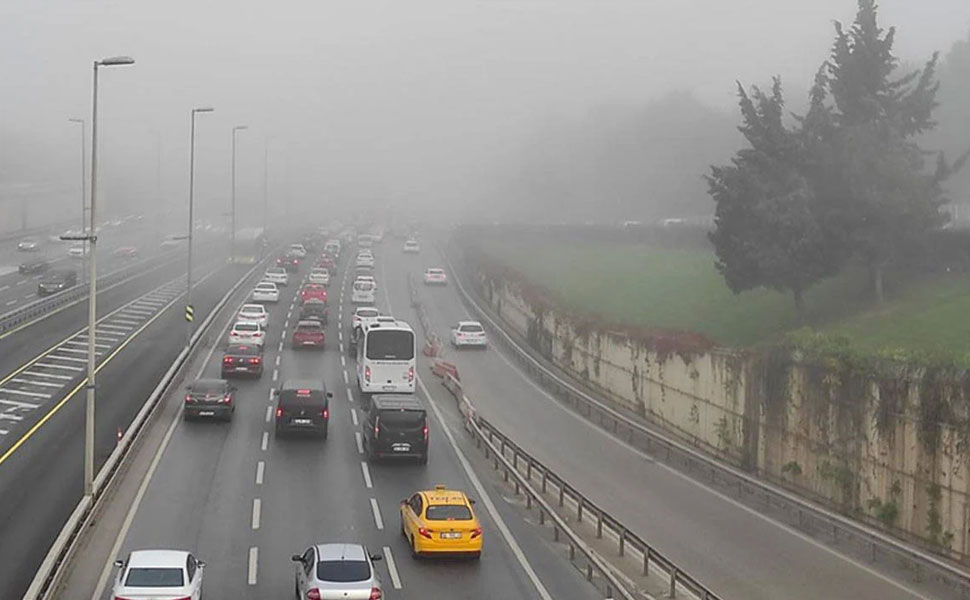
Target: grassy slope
[681, 290]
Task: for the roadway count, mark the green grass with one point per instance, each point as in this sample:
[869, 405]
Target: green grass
[681, 290]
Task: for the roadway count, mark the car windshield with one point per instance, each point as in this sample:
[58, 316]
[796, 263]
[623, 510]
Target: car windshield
[154, 577]
[448, 512]
[390, 345]
[276, 272]
[343, 571]
[266, 287]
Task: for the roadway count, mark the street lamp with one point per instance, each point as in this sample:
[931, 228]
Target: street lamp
[266, 180]
[84, 161]
[92, 238]
[188, 276]
[232, 226]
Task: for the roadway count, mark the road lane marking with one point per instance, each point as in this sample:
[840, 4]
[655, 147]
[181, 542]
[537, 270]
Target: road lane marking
[10, 302]
[23, 393]
[265, 443]
[53, 366]
[37, 383]
[343, 361]
[378, 521]
[257, 506]
[276, 374]
[366, 471]
[353, 416]
[253, 564]
[346, 379]
[21, 282]
[70, 358]
[392, 568]
[280, 349]
[286, 324]
[5, 415]
[277, 361]
[340, 336]
[6, 287]
[269, 413]
[341, 347]
[260, 469]
[49, 375]
[350, 396]
[360, 443]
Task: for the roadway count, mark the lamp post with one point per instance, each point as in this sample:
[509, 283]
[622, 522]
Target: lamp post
[84, 161]
[188, 275]
[266, 180]
[92, 238]
[232, 223]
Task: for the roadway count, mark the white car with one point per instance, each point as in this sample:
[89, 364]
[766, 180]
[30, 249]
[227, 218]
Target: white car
[363, 316]
[412, 247]
[266, 291]
[369, 278]
[247, 332]
[319, 275]
[28, 245]
[254, 313]
[365, 260]
[78, 251]
[277, 275]
[159, 574]
[298, 250]
[435, 276]
[172, 241]
[468, 333]
[363, 293]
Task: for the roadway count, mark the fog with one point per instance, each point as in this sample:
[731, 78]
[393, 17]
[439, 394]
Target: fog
[422, 106]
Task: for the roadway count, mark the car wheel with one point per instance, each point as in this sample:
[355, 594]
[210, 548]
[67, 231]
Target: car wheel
[476, 555]
[414, 549]
[326, 432]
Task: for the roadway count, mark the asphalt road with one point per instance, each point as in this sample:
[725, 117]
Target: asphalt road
[732, 549]
[41, 479]
[212, 476]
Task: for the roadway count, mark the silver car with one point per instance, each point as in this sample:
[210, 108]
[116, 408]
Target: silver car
[337, 571]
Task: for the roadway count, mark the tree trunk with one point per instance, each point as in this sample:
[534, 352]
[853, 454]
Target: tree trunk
[799, 305]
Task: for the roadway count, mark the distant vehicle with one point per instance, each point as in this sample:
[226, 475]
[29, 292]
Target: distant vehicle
[77, 251]
[37, 265]
[332, 248]
[369, 278]
[290, 262]
[126, 252]
[209, 398]
[314, 309]
[447, 512]
[365, 240]
[363, 315]
[337, 571]
[435, 276]
[298, 250]
[28, 245]
[313, 290]
[56, 281]
[249, 246]
[266, 292]
[319, 275]
[242, 359]
[385, 358]
[673, 222]
[159, 574]
[365, 260]
[328, 263]
[308, 334]
[255, 313]
[246, 332]
[395, 425]
[303, 405]
[412, 247]
[362, 293]
[172, 241]
[468, 333]
[277, 275]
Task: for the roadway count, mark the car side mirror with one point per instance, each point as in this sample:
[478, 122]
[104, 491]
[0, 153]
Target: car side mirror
[376, 557]
[296, 558]
[404, 501]
[329, 394]
[201, 563]
[119, 563]
[472, 501]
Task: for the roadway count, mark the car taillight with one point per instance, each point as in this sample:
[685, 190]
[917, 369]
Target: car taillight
[326, 413]
[367, 374]
[257, 334]
[410, 374]
[279, 412]
[227, 360]
[188, 398]
[424, 432]
[313, 594]
[375, 594]
[425, 532]
[227, 399]
[255, 360]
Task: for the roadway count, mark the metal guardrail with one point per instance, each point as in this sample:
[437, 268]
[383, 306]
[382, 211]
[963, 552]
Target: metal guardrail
[52, 569]
[486, 433]
[796, 511]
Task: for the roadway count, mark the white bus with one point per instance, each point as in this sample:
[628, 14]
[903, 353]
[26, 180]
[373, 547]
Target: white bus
[386, 355]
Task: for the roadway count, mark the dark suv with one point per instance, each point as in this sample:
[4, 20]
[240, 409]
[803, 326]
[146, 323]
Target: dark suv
[396, 425]
[303, 405]
[56, 281]
[242, 359]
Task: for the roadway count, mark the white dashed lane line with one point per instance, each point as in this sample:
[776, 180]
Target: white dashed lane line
[343, 361]
[260, 471]
[257, 507]
[366, 471]
[350, 396]
[253, 564]
[346, 379]
[269, 414]
[360, 443]
[265, 443]
[378, 521]
[353, 416]
[392, 568]
[276, 374]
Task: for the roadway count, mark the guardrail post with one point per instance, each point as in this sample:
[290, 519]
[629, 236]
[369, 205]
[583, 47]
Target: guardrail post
[646, 561]
[542, 516]
[545, 476]
[579, 510]
[673, 582]
[599, 525]
[589, 577]
[572, 551]
[555, 532]
[622, 541]
[528, 500]
[505, 475]
[528, 470]
[562, 494]
[515, 460]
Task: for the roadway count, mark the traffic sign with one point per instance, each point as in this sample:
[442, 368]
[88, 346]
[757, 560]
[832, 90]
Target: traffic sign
[189, 313]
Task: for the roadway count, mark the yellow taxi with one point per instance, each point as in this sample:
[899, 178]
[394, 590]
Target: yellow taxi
[441, 521]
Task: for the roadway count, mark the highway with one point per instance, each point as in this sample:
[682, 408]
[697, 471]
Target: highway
[732, 549]
[42, 413]
[245, 501]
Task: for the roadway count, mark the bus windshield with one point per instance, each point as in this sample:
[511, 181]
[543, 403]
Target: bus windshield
[390, 345]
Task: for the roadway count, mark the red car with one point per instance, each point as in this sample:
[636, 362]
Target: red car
[290, 263]
[126, 252]
[308, 334]
[327, 263]
[313, 290]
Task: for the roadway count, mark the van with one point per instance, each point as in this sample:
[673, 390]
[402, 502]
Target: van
[396, 425]
[303, 405]
[363, 293]
[386, 359]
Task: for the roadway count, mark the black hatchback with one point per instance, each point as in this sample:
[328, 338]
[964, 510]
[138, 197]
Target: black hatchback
[396, 426]
[56, 281]
[209, 398]
[303, 405]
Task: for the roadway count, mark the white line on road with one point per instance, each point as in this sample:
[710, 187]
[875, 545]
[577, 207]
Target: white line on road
[21, 282]
[353, 416]
[350, 396]
[392, 568]
[377, 514]
[260, 469]
[6, 287]
[366, 472]
[29, 296]
[346, 379]
[341, 347]
[277, 361]
[253, 564]
[276, 374]
[360, 444]
[340, 335]
[257, 505]
[269, 414]
[286, 324]
[265, 443]
[281, 346]
[10, 302]
[343, 360]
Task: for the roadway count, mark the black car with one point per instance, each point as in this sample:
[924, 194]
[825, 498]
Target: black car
[209, 398]
[33, 266]
[290, 262]
[396, 426]
[242, 360]
[303, 405]
[316, 310]
[56, 281]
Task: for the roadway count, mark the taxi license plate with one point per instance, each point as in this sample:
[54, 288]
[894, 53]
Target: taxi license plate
[308, 343]
[451, 535]
[240, 368]
[401, 447]
[301, 421]
[206, 413]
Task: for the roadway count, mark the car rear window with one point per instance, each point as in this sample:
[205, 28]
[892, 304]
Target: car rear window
[343, 570]
[390, 345]
[402, 419]
[242, 350]
[448, 512]
[368, 313]
[315, 326]
[246, 327]
[208, 386]
[471, 328]
[154, 577]
[302, 397]
[363, 286]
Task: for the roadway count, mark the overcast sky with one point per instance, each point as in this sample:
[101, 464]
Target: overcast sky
[401, 99]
